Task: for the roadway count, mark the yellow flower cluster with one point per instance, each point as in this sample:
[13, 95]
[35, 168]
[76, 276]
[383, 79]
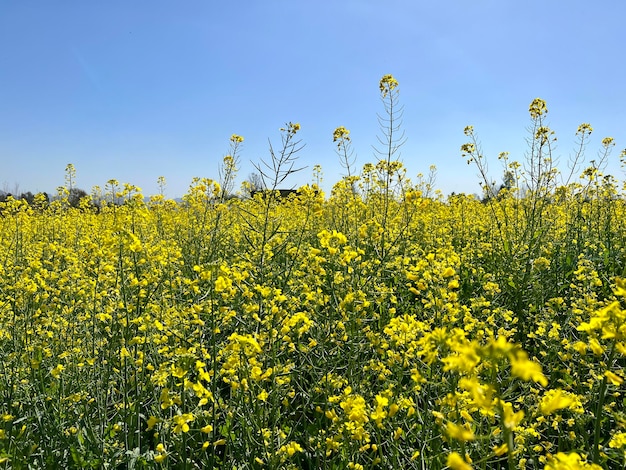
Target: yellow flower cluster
[362, 329]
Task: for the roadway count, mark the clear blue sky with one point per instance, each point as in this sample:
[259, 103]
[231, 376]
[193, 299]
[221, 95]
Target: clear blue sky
[133, 90]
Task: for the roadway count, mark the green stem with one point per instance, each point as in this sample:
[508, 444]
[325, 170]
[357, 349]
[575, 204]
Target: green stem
[598, 415]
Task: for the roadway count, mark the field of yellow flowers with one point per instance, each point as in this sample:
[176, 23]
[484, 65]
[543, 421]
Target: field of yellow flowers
[314, 332]
[378, 326]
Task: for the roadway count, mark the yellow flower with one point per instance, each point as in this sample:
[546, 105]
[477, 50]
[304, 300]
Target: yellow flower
[135, 245]
[596, 347]
[290, 449]
[387, 84]
[481, 394]
[459, 433]
[620, 287]
[511, 418]
[222, 284]
[537, 108]
[161, 453]
[124, 353]
[456, 462]
[541, 264]
[608, 141]
[526, 369]
[464, 359]
[613, 378]
[501, 449]
[152, 421]
[379, 413]
[181, 422]
[580, 347]
[341, 133]
[584, 128]
[56, 372]
[246, 342]
[618, 440]
[572, 461]
[558, 399]
[448, 272]
[355, 409]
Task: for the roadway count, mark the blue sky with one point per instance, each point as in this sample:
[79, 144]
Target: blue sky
[142, 89]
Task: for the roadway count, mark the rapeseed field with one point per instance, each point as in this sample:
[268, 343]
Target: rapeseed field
[377, 326]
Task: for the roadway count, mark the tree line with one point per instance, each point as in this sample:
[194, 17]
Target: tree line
[74, 197]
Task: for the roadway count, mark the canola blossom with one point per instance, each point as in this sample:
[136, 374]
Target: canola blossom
[152, 330]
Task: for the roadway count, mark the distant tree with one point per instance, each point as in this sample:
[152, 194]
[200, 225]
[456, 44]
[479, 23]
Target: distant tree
[41, 200]
[508, 181]
[28, 197]
[489, 192]
[255, 183]
[75, 195]
[7, 191]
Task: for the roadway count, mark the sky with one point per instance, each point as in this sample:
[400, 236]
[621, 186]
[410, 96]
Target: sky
[137, 90]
